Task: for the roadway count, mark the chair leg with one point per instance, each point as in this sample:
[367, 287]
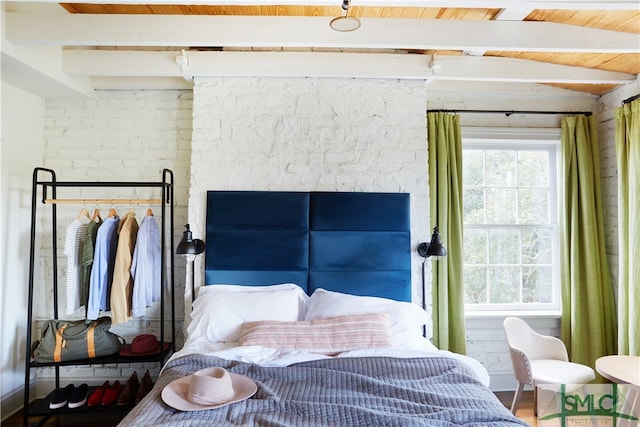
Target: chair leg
[516, 398]
[535, 401]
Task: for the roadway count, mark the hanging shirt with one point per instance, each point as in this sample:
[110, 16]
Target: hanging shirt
[73, 243]
[102, 269]
[122, 286]
[86, 259]
[145, 267]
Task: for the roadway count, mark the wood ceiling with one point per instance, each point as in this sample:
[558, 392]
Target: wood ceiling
[589, 47]
[616, 20]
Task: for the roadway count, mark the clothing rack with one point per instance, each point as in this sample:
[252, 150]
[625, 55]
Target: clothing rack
[103, 201]
[48, 188]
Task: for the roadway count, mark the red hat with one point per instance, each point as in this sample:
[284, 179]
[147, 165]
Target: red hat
[143, 345]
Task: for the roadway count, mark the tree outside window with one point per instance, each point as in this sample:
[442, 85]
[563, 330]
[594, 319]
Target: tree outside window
[510, 224]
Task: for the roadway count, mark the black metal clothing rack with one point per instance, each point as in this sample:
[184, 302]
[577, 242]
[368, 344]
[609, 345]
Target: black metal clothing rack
[47, 188]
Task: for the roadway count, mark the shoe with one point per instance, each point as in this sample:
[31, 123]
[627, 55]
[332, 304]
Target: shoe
[129, 391]
[96, 397]
[111, 394]
[61, 397]
[145, 387]
[79, 396]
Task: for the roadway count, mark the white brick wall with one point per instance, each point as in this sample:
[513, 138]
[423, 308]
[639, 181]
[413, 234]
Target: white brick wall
[609, 169]
[311, 135]
[117, 136]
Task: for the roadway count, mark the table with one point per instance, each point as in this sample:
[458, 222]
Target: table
[623, 370]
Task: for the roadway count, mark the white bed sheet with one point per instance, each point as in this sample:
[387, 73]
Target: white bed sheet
[265, 356]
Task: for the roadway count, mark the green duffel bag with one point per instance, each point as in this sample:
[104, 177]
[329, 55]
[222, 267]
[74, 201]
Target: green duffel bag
[65, 340]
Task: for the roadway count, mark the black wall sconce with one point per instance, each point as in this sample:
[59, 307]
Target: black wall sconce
[435, 248]
[191, 248]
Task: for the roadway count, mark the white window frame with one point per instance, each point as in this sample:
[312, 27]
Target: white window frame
[517, 138]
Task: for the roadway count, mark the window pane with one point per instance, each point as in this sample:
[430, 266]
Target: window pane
[475, 246]
[473, 206]
[473, 167]
[510, 224]
[504, 246]
[501, 206]
[475, 285]
[536, 246]
[504, 283]
[533, 206]
[501, 167]
[533, 169]
[536, 285]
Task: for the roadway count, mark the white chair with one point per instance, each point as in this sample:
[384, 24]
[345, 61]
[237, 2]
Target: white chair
[540, 360]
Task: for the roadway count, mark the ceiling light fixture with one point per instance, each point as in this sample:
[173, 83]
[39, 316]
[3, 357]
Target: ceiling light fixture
[345, 23]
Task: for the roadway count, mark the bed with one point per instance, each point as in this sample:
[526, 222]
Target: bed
[308, 295]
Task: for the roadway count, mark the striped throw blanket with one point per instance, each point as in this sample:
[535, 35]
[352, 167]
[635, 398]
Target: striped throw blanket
[369, 391]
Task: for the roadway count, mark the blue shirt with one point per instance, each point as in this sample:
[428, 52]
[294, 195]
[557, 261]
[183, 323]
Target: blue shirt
[102, 271]
[145, 267]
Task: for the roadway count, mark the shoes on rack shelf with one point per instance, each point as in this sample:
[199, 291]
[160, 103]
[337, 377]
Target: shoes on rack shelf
[129, 391]
[79, 396]
[95, 399]
[111, 394]
[61, 397]
[145, 387]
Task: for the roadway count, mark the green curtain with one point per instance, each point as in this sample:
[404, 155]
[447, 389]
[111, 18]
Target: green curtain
[445, 199]
[588, 326]
[628, 155]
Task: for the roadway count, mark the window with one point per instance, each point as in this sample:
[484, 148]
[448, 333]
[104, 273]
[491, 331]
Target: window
[510, 223]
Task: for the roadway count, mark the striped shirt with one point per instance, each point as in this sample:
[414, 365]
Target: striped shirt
[76, 232]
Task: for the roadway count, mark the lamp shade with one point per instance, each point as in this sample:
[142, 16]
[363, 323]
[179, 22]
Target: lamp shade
[435, 248]
[188, 245]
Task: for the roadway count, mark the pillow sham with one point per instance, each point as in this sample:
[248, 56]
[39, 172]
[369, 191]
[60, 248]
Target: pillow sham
[328, 336]
[219, 310]
[405, 319]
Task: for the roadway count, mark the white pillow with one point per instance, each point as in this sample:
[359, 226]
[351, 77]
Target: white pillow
[405, 319]
[220, 310]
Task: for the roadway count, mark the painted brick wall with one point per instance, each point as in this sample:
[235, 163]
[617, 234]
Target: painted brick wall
[609, 169]
[117, 136]
[311, 135]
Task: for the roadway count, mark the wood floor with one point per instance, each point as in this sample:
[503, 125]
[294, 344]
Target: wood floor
[525, 409]
[110, 419]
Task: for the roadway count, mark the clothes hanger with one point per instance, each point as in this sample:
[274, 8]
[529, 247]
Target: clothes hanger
[112, 212]
[149, 212]
[83, 213]
[96, 215]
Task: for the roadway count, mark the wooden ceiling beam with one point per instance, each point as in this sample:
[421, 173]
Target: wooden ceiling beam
[310, 32]
[190, 64]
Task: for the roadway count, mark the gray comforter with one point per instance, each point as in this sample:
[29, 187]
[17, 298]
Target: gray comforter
[371, 391]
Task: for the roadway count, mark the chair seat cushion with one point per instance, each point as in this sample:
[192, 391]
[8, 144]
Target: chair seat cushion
[553, 372]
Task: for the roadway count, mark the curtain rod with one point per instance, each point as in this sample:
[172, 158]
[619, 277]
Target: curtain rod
[510, 112]
[631, 99]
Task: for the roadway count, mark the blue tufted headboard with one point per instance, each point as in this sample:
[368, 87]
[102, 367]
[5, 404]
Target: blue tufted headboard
[356, 243]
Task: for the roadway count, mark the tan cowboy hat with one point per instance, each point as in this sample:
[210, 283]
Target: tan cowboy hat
[208, 388]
